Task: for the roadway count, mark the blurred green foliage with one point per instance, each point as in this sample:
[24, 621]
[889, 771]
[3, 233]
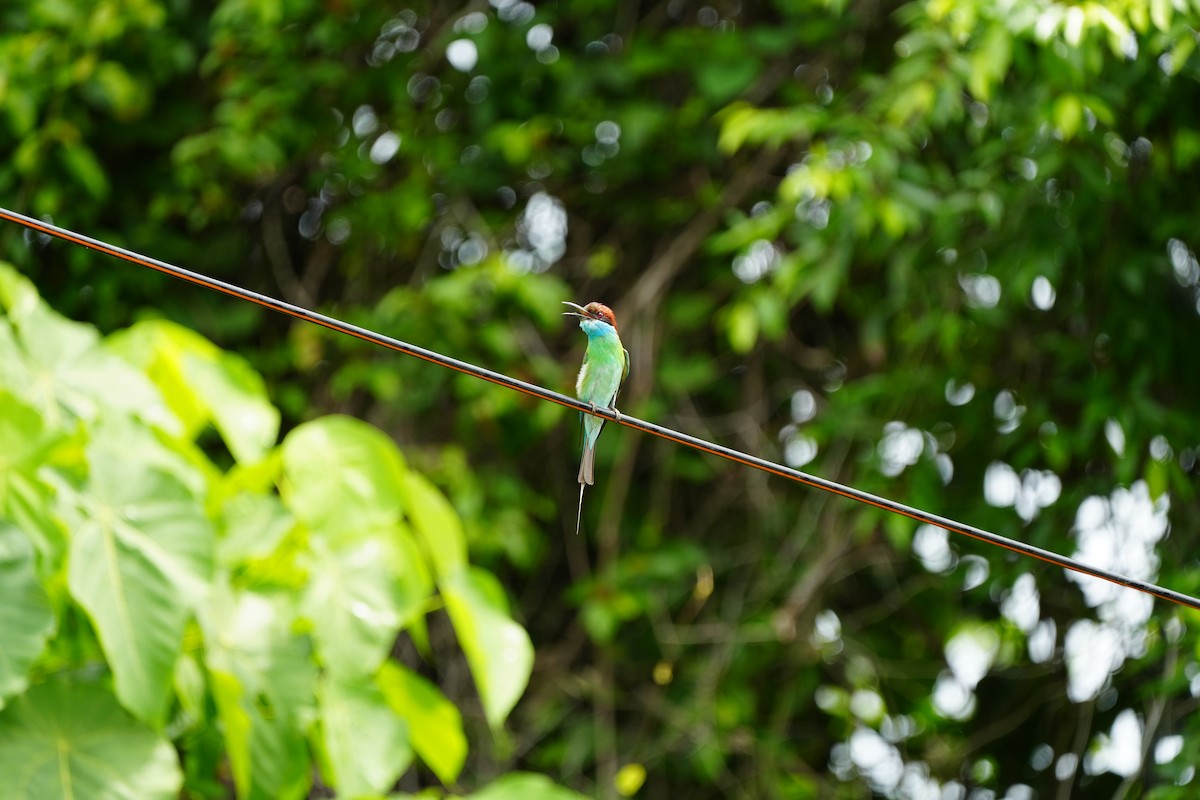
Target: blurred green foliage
[254, 629]
[944, 251]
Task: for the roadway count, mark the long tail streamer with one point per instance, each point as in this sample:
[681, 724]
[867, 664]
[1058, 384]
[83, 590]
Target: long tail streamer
[579, 513]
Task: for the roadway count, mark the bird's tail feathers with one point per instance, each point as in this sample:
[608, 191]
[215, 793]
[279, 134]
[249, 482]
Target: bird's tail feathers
[587, 465]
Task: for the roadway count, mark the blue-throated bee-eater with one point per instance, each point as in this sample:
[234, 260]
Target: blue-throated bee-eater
[605, 367]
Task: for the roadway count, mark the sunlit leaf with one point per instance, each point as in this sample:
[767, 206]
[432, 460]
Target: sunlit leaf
[366, 743]
[342, 475]
[65, 370]
[360, 594]
[524, 786]
[71, 740]
[1184, 47]
[237, 399]
[989, 62]
[743, 328]
[138, 563]
[26, 620]
[253, 526]
[629, 780]
[1160, 14]
[203, 383]
[498, 650]
[263, 684]
[19, 297]
[434, 724]
[1068, 114]
[25, 443]
[436, 524]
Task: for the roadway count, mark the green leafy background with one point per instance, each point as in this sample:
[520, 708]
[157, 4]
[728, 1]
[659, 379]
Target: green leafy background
[943, 251]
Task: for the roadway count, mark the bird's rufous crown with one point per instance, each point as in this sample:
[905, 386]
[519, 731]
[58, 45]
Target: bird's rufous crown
[601, 312]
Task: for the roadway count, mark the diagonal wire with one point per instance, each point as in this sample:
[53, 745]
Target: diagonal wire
[702, 445]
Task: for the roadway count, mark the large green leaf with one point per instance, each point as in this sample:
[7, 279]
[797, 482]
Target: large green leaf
[17, 293]
[72, 741]
[131, 438]
[24, 439]
[25, 444]
[498, 650]
[266, 746]
[252, 526]
[139, 561]
[360, 594]
[435, 522]
[203, 383]
[26, 620]
[524, 786]
[263, 685]
[434, 723]
[342, 475]
[364, 740]
[61, 366]
[237, 399]
[15, 374]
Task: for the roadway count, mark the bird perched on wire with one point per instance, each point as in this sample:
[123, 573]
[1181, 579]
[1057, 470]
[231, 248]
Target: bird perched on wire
[605, 367]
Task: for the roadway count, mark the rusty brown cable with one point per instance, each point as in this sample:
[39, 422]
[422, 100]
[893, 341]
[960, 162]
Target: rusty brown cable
[702, 445]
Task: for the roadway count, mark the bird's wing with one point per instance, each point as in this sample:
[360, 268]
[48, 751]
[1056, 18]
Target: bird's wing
[582, 376]
[624, 375]
[583, 368]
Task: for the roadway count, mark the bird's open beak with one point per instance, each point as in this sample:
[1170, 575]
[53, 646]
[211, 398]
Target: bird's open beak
[579, 310]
